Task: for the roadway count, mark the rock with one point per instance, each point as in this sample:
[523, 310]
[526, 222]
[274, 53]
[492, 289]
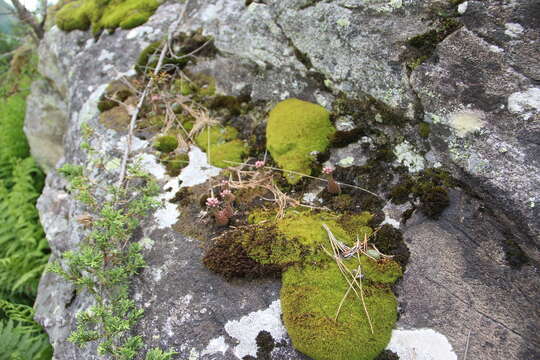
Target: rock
[484, 107]
[479, 92]
[45, 124]
[458, 280]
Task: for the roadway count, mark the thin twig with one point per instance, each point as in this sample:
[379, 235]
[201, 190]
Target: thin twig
[136, 114]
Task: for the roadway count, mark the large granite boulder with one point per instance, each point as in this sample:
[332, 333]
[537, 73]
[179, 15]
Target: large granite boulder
[471, 286]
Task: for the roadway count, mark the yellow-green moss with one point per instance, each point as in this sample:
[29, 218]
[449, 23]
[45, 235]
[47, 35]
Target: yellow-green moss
[166, 143]
[313, 286]
[424, 129]
[234, 151]
[104, 14]
[310, 297]
[175, 163]
[224, 145]
[295, 130]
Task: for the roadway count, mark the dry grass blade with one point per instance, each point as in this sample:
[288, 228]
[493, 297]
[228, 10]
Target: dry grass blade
[202, 119]
[305, 175]
[348, 275]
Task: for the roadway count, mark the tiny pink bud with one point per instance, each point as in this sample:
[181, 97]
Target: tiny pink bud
[212, 202]
[225, 193]
[327, 170]
[259, 164]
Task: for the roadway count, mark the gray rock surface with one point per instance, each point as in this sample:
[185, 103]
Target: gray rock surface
[484, 105]
[458, 278]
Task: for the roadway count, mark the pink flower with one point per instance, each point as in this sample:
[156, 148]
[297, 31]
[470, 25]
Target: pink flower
[327, 170]
[225, 193]
[259, 164]
[212, 202]
[224, 182]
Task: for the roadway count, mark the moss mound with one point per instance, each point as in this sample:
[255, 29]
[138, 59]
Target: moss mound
[222, 145]
[313, 286]
[166, 143]
[104, 14]
[310, 297]
[295, 130]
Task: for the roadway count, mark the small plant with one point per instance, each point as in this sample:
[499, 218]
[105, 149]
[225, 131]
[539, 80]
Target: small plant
[106, 260]
[332, 186]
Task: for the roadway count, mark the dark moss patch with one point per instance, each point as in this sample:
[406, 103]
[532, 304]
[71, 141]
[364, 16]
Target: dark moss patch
[387, 355]
[433, 201]
[389, 241]
[429, 187]
[183, 46]
[422, 47]
[265, 345]
[229, 258]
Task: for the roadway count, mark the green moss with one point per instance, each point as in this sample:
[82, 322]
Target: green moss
[356, 224]
[424, 130]
[104, 14]
[116, 92]
[310, 297]
[294, 131]
[175, 163]
[224, 145]
[166, 143]
[75, 15]
[382, 272]
[215, 135]
[234, 151]
[313, 286]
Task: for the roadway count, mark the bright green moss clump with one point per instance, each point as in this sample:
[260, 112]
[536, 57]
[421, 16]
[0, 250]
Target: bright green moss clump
[310, 297]
[312, 283]
[221, 145]
[295, 130]
[104, 14]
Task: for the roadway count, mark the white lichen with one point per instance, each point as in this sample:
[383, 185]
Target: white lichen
[525, 103]
[248, 327]
[421, 344]
[513, 30]
[407, 156]
[198, 170]
[216, 345]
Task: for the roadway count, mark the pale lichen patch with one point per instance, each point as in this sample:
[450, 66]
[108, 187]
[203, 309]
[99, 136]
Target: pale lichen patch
[407, 156]
[248, 327]
[466, 122]
[421, 344]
